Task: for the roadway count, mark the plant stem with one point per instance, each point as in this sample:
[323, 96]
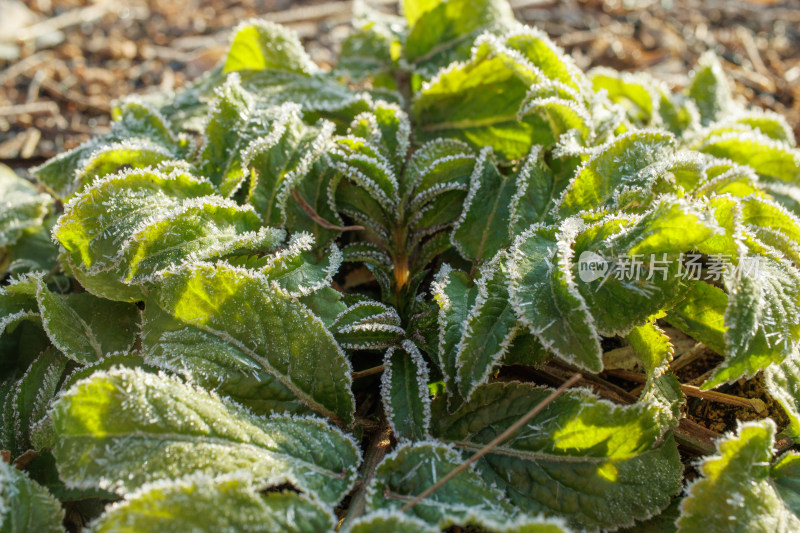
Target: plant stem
[368, 372]
[497, 440]
[695, 392]
[313, 215]
[377, 450]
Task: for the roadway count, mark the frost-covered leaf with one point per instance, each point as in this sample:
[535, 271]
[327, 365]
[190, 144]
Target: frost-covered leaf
[313, 189]
[369, 52]
[84, 327]
[367, 325]
[30, 398]
[34, 251]
[133, 121]
[773, 160]
[389, 522]
[635, 92]
[455, 296]
[769, 123]
[262, 45]
[243, 310]
[316, 93]
[226, 135]
[482, 229]
[488, 329]
[404, 390]
[128, 226]
[782, 382]
[412, 468]
[123, 428]
[762, 319]
[26, 506]
[626, 161]
[544, 293]
[294, 269]
[653, 348]
[225, 504]
[537, 189]
[461, 101]
[399, 522]
[18, 303]
[214, 364]
[598, 465]
[110, 158]
[709, 89]
[280, 161]
[701, 315]
[441, 32]
[736, 492]
[22, 206]
[641, 260]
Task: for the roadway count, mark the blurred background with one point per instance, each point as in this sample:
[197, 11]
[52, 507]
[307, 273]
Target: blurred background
[63, 62]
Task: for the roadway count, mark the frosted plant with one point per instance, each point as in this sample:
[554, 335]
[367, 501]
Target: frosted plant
[286, 298]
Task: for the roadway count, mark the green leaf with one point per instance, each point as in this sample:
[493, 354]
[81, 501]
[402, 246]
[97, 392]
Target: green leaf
[124, 428]
[84, 327]
[482, 228]
[389, 522]
[367, 325]
[398, 522]
[133, 121]
[544, 293]
[487, 330]
[536, 193]
[226, 504]
[317, 93]
[770, 123]
[125, 228]
[762, 319]
[782, 382]
[281, 159]
[412, 468]
[18, 303]
[214, 364]
[735, 492]
[26, 506]
[773, 160]
[443, 31]
[295, 271]
[30, 399]
[22, 206]
[313, 188]
[461, 101]
[785, 473]
[709, 89]
[226, 135]
[598, 465]
[455, 297]
[628, 160]
[653, 348]
[368, 167]
[277, 333]
[642, 258]
[261, 45]
[113, 157]
[34, 251]
[634, 91]
[404, 391]
[367, 53]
